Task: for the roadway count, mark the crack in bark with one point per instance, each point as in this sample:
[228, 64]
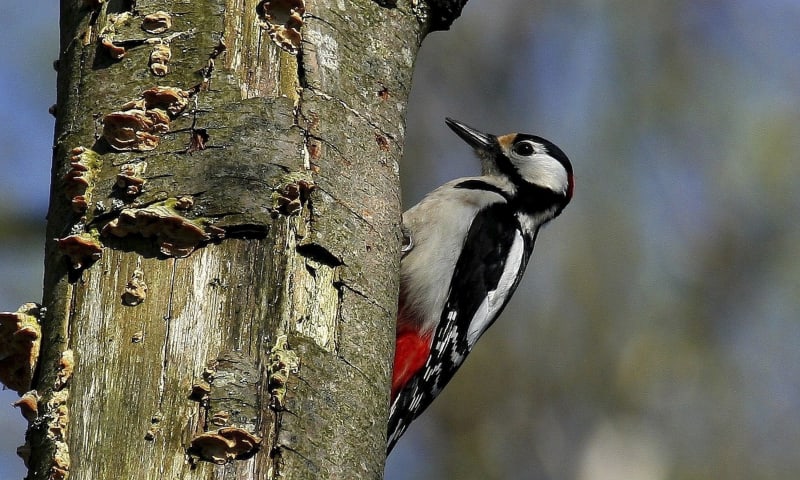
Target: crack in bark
[275, 448]
[327, 143]
[165, 349]
[314, 17]
[353, 366]
[204, 86]
[349, 209]
[71, 315]
[279, 448]
[366, 297]
[352, 110]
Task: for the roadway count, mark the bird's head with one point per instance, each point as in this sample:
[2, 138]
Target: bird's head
[526, 160]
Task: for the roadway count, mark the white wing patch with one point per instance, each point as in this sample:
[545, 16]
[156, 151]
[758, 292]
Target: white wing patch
[491, 305]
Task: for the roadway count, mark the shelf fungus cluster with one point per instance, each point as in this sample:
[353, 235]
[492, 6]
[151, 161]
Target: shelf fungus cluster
[20, 336]
[138, 124]
[157, 23]
[282, 19]
[282, 363]
[119, 33]
[57, 415]
[226, 442]
[84, 164]
[135, 127]
[159, 59]
[177, 236]
[289, 200]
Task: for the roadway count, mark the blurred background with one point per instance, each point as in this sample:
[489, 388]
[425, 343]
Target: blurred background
[657, 332]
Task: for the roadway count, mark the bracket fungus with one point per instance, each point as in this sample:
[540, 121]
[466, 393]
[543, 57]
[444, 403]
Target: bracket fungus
[291, 198]
[159, 59]
[282, 362]
[116, 52]
[177, 235]
[158, 22]
[83, 163]
[28, 405]
[224, 445]
[130, 130]
[184, 202]
[108, 32]
[171, 99]
[136, 289]
[135, 127]
[82, 249]
[66, 365]
[221, 418]
[129, 179]
[283, 20]
[200, 392]
[20, 337]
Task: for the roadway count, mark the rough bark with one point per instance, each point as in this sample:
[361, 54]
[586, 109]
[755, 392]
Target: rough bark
[221, 279]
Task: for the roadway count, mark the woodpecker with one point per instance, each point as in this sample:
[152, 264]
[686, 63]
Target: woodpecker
[467, 244]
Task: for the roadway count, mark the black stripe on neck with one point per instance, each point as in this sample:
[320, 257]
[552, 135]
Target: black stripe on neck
[533, 199]
[529, 198]
[475, 184]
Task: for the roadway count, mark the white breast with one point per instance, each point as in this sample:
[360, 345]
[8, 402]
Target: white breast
[438, 226]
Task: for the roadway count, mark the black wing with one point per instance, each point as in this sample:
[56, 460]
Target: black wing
[488, 270]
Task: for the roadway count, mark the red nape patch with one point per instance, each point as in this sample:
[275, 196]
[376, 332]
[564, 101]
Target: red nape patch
[410, 354]
[571, 187]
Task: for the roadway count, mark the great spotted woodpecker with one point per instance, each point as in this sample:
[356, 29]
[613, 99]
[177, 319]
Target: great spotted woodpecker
[468, 243]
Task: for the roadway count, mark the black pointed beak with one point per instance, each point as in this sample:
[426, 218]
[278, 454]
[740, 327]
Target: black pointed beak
[478, 140]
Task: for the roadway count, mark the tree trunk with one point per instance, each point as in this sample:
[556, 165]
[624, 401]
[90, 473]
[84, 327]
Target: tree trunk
[221, 282]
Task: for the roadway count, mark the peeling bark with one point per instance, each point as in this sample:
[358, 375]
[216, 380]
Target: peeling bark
[221, 299]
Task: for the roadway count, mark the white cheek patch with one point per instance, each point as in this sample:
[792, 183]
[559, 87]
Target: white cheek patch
[545, 171]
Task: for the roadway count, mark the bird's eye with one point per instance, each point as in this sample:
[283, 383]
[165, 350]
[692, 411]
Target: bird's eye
[523, 148]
